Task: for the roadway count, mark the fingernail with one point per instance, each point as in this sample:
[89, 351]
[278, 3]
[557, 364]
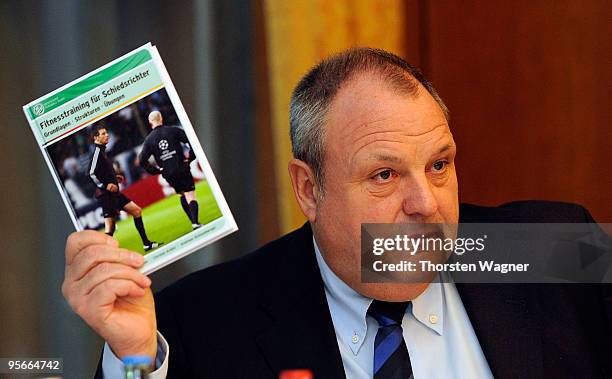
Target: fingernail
[137, 258]
[113, 242]
[147, 281]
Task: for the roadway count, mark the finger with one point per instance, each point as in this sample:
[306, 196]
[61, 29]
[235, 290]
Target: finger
[78, 241]
[96, 254]
[106, 293]
[105, 271]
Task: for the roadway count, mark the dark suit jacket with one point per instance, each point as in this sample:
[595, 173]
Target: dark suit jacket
[267, 311]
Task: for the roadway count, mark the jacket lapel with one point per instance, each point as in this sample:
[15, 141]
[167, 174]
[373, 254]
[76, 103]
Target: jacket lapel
[503, 323]
[301, 332]
[502, 315]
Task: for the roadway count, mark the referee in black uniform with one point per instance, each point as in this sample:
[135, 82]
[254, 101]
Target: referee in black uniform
[166, 144]
[106, 179]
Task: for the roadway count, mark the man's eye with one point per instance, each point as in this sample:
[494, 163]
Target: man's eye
[384, 175]
[440, 166]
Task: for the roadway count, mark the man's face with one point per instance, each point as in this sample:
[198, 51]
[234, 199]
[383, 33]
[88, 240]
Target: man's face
[389, 158]
[102, 137]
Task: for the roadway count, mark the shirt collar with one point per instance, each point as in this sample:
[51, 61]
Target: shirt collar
[428, 307]
[348, 308]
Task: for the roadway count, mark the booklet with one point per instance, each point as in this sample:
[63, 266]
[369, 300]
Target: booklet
[127, 161]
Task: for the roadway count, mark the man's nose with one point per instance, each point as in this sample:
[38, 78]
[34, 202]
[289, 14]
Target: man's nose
[419, 200]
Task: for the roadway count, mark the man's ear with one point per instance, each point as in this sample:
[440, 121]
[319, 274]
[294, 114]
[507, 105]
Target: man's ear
[304, 187]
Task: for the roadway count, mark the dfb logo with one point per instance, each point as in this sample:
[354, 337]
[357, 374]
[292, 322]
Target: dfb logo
[38, 109]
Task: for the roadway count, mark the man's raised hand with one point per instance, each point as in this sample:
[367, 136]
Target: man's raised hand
[103, 286]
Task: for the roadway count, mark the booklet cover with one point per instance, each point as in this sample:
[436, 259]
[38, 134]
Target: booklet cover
[127, 161]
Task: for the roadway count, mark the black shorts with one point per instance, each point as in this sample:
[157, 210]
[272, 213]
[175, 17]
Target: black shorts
[181, 180]
[112, 203]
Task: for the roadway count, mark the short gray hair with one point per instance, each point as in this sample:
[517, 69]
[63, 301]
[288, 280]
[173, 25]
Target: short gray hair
[315, 92]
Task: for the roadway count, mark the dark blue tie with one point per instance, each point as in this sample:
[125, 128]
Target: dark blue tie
[391, 359]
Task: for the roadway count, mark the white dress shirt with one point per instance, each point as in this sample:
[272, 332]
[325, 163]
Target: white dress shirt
[437, 331]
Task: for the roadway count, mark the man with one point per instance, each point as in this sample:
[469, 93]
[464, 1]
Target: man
[102, 173]
[371, 143]
[166, 145]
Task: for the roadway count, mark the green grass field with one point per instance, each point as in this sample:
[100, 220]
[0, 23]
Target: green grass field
[165, 220]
